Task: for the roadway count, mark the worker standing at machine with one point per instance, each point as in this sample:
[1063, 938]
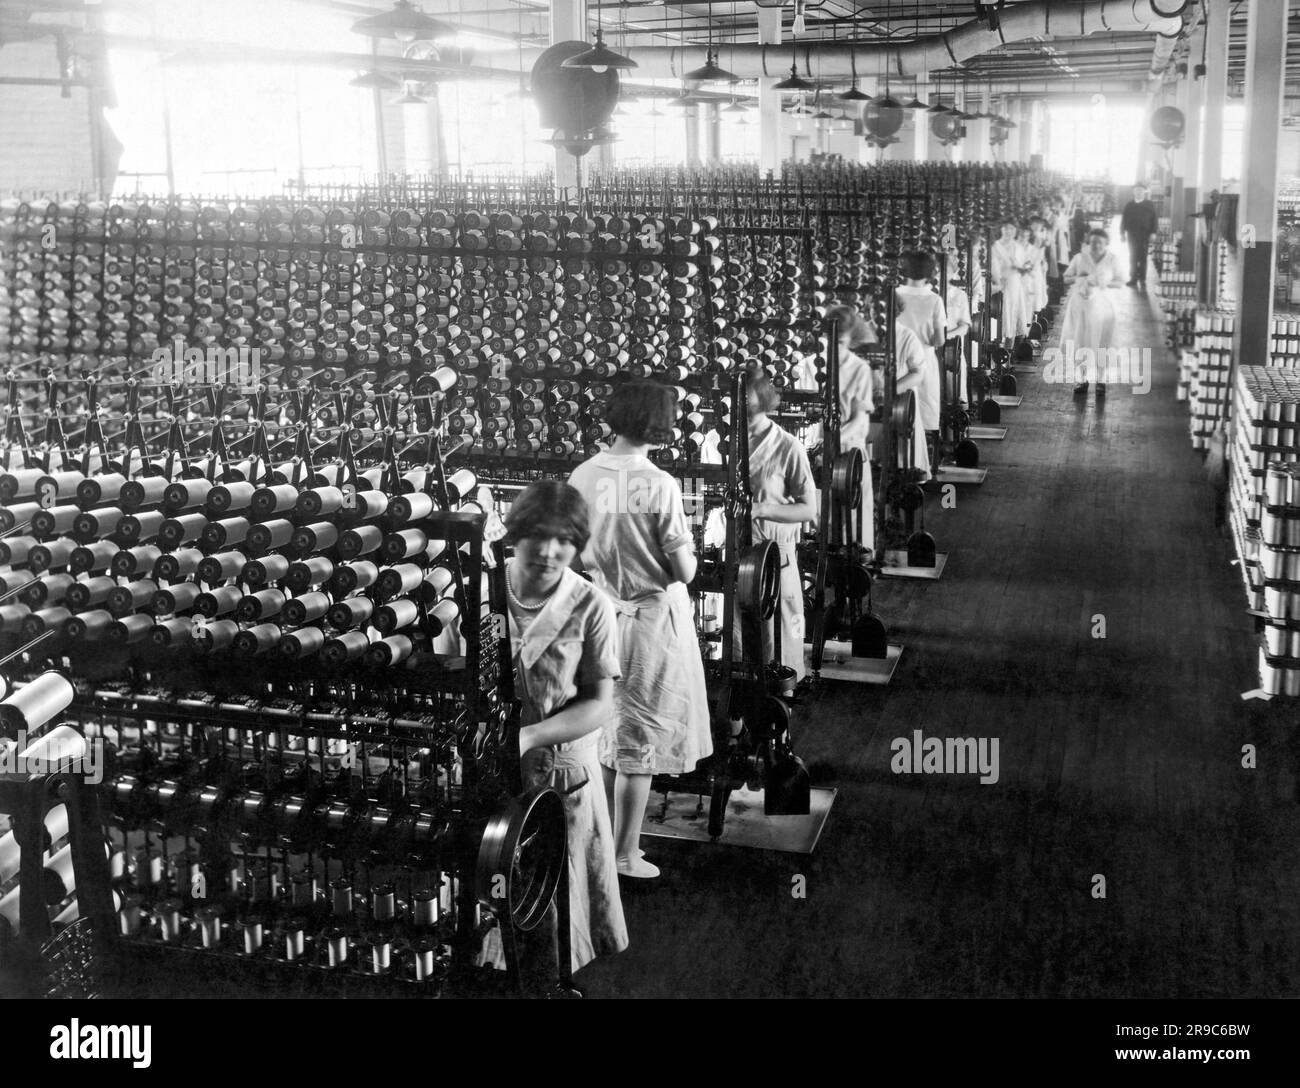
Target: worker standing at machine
[564, 637]
[784, 499]
[858, 395]
[922, 311]
[642, 555]
[1009, 264]
[957, 308]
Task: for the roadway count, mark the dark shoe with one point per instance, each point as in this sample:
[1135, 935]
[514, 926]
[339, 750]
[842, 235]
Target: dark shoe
[1101, 389]
[1081, 390]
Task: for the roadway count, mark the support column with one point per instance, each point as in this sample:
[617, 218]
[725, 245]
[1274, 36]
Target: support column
[1192, 160]
[568, 24]
[692, 122]
[920, 121]
[1265, 82]
[1211, 173]
[712, 133]
[1178, 157]
[769, 100]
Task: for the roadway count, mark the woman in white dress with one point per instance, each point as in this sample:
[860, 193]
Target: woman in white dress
[924, 313]
[1036, 255]
[642, 555]
[1088, 327]
[784, 497]
[1009, 264]
[858, 396]
[565, 645]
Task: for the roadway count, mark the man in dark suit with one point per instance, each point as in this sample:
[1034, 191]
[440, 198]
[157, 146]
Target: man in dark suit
[1136, 225]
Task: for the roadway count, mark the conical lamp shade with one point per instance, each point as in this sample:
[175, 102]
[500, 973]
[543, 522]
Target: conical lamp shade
[403, 23]
[915, 104]
[887, 102]
[710, 73]
[854, 95]
[792, 82]
[377, 80]
[599, 56]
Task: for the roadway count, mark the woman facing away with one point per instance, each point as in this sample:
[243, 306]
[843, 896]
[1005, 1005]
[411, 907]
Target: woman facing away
[1089, 321]
[641, 554]
[566, 656]
[923, 312]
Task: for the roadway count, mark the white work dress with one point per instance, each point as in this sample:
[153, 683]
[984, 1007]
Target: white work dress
[923, 313]
[1089, 320]
[858, 394]
[573, 640]
[1007, 258]
[779, 473]
[637, 521]
[959, 324]
[911, 359]
[1036, 277]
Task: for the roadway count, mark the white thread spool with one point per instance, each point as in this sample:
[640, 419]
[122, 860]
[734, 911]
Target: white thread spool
[32, 706]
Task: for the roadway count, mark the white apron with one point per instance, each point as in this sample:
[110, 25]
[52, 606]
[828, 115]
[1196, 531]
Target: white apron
[662, 721]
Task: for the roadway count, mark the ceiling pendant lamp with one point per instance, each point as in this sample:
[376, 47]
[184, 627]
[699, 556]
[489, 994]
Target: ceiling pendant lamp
[793, 82]
[403, 23]
[735, 107]
[375, 81]
[410, 98]
[711, 72]
[599, 57]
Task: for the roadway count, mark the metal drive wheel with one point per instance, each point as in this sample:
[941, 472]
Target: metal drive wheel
[758, 580]
[846, 479]
[522, 857]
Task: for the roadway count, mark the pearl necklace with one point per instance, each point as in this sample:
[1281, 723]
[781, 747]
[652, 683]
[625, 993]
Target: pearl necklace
[510, 592]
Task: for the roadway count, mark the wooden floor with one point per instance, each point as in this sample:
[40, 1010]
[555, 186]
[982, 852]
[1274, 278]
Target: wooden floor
[1119, 756]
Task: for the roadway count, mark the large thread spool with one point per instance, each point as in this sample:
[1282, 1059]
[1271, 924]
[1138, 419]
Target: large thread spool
[31, 707]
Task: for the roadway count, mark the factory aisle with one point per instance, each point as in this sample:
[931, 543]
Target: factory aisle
[1119, 757]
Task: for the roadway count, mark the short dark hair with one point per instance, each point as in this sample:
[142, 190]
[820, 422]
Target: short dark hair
[549, 508]
[642, 411]
[1037, 219]
[918, 265]
[1099, 233]
[760, 382]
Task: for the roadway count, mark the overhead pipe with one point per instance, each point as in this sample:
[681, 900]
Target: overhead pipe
[936, 52]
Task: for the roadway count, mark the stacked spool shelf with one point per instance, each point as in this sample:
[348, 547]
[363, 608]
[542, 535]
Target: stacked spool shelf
[1268, 413]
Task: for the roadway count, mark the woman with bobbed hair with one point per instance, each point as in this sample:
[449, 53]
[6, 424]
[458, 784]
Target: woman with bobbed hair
[566, 656]
[642, 555]
[784, 499]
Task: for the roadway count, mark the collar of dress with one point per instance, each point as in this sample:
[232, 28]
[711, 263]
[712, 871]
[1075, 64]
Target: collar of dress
[549, 621]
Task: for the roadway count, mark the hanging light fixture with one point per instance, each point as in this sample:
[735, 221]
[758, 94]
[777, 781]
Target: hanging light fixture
[735, 107]
[410, 98]
[711, 72]
[915, 103]
[376, 81]
[404, 23]
[853, 94]
[886, 101]
[599, 58]
[793, 82]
